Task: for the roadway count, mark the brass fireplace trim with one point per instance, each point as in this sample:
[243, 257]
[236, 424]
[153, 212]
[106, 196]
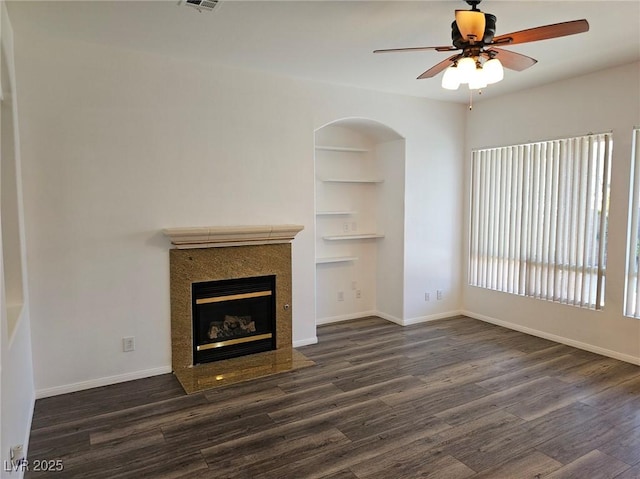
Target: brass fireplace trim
[232, 297]
[230, 342]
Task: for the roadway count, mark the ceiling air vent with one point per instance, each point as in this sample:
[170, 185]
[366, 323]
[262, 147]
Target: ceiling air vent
[202, 5]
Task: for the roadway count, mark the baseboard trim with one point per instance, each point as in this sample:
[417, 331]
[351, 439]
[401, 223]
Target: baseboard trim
[28, 430]
[95, 383]
[305, 342]
[345, 317]
[389, 317]
[553, 337]
[432, 317]
[105, 381]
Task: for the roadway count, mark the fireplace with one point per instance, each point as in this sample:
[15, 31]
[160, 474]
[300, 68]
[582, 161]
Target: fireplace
[230, 291]
[233, 318]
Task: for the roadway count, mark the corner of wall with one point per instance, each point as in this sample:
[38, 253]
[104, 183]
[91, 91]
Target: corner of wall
[17, 391]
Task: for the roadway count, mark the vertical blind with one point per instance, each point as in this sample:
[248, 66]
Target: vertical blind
[632, 293]
[539, 219]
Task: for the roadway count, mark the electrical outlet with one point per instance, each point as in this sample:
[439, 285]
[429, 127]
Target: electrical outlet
[358, 294]
[17, 461]
[16, 454]
[340, 296]
[128, 344]
[427, 296]
[439, 294]
[345, 227]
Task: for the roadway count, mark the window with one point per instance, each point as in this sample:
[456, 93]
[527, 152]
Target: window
[539, 219]
[632, 287]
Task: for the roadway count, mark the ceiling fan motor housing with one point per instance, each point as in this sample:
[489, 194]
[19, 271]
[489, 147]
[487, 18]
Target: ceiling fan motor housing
[489, 32]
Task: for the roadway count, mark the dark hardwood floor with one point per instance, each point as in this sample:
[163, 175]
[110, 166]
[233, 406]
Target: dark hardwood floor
[449, 399]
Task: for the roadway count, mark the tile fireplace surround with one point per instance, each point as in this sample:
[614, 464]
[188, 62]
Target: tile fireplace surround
[216, 253]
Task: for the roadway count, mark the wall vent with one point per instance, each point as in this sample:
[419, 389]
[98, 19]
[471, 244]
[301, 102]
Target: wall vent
[202, 5]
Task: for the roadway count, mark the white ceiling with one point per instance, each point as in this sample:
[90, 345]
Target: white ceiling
[332, 41]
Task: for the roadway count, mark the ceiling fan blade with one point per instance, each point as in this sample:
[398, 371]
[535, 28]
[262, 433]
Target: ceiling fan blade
[512, 60]
[542, 33]
[438, 67]
[417, 49]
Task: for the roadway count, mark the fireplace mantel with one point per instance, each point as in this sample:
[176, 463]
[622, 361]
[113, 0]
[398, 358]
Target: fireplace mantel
[223, 236]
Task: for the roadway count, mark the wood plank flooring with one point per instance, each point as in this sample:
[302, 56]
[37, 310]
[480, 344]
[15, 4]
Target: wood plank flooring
[448, 399]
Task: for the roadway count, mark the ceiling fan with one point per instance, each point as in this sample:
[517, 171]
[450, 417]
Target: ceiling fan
[481, 60]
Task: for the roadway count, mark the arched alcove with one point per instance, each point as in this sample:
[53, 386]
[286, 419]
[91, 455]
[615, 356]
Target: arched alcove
[359, 197]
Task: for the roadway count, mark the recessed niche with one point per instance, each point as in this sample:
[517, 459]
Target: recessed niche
[359, 226]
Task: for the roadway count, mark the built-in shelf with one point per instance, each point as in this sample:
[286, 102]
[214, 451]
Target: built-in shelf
[336, 259]
[358, 218]
[353, 237]
[351, 180]
[335, 213]
[341, 148]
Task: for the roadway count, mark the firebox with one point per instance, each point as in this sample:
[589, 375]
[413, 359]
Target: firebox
[233, 317]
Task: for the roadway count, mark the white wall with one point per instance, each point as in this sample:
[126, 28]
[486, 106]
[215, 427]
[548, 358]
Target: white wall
[118, 145]
[603, 101]
[434, 176]
[17, 394]
[390, 203]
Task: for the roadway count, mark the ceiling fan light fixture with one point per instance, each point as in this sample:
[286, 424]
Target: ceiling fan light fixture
[451, 78]
[493, 71]
[466, 67]
[477, 80]
[471, 24]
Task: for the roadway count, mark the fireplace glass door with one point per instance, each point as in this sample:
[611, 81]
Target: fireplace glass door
[233, 318]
